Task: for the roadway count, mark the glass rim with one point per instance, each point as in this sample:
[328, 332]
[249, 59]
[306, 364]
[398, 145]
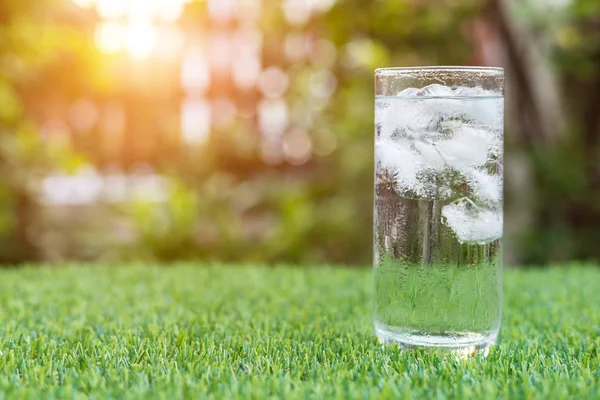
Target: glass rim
[400, 70]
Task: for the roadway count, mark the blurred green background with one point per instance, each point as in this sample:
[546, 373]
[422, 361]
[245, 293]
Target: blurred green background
[241, 130]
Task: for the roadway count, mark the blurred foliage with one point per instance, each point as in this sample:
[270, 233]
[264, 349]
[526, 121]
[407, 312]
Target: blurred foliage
[224, 202]
[22, 156]
[320, 211]
[562, 84]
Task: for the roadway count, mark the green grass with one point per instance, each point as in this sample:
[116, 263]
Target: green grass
[184, 331]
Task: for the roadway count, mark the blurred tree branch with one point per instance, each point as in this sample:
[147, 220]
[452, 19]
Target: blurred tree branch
[533, 77]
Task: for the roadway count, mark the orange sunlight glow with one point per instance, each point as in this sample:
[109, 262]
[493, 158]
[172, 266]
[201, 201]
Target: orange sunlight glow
[140, 38]
[169, 10]
[109, 37]
[84, 3]
[132, 25]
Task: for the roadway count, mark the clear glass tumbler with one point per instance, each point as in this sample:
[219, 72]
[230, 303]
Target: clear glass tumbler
[438, 206]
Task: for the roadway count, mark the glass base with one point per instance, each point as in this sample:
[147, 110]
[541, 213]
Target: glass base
[463, 345]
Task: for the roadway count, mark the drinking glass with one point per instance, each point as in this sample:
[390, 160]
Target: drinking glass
[438, 207]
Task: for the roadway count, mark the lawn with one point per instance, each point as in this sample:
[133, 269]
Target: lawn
[254, 332]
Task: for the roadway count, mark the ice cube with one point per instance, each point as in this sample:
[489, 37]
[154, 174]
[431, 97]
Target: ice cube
[430, 154]
[414, 119]
[436, 90]
[413, 174]
[409, 92]
[472, 224]
[400, 161]
[467, 91]
[404, 117]
[467, 148]
[480, 105]
[431, 109]
[487, 188]
[468, 104]
[485, 111]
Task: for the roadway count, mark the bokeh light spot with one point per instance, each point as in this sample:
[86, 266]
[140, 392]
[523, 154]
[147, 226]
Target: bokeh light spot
[109, 37]
[195, 73]
[195, 121]
[297, 147]
[296, 12]
[273, 82]
[323, 53]
[112, 9]
[140, 38]
[322, 83]
[273, 117]
[296, 46]
[169, 42]
[248, 40]
[247, 70]
[271, 151]
[221, 10]
[169, 10]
